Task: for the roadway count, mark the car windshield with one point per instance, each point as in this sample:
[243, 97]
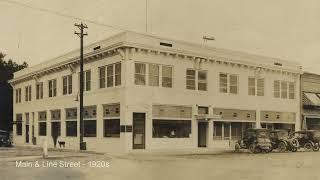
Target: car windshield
[262, 133]
[282, 134]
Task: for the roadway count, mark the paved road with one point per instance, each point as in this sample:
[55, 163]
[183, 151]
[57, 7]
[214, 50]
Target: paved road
[299, 165]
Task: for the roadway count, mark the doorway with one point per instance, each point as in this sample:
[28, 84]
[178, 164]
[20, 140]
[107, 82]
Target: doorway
[202, 134]
[27, 133]
[138, 133]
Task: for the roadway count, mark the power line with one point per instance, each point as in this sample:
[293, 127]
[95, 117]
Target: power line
[65, 15]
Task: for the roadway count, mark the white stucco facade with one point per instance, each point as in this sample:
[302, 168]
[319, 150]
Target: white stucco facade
[129, 48]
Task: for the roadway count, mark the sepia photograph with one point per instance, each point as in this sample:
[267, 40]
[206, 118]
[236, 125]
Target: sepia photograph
[157, 90]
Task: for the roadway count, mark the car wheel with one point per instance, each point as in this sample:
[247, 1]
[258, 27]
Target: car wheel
[316, 148]
[295, 143]
[252, 148]
[308, 146]
[282, 147]
[237, 148]
[294, 149]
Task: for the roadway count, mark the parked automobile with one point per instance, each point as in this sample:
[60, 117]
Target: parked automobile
[5, 139]
[256, 140]
[307, 139]
[280, 140]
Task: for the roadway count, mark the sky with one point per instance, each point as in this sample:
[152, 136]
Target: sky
[286, 29]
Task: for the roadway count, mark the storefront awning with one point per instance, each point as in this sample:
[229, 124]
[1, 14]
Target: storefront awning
[312, 99]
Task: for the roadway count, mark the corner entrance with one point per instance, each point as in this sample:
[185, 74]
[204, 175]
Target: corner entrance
[202, 134]
[138, 133]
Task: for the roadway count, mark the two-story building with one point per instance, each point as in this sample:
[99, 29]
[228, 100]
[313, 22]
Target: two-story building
[152, 93]
[310, 89]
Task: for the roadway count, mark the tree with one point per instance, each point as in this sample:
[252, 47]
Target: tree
[7, 68]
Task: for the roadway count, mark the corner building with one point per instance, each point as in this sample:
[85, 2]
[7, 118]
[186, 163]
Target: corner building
[152, 93]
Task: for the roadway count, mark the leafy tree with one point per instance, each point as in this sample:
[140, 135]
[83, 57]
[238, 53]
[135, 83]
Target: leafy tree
[7, 68]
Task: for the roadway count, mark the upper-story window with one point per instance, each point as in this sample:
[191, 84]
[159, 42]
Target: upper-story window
[67, 84]
[52, 88]
[202, 80]
[39, 90]
[228, 83]
[18, 95]
[167, 76]
[256, 86]
[283, 89]
[28, 93]
[140, 74]
[102, 77]
[154, 74]
[113, 75]
[191, 79]
[87, 80]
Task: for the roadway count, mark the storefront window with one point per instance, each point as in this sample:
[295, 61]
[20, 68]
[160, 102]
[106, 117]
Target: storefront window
[112, 128]
[171, 128]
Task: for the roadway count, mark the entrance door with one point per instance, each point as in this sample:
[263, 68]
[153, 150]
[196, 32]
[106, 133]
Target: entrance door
[202, 134]
[27, 133]
[138, 133]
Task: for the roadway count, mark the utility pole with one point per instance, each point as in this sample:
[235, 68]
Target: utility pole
[81, 35]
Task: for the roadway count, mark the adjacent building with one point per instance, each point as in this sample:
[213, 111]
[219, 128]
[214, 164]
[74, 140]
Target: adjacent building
[152, 93]
[310, 89]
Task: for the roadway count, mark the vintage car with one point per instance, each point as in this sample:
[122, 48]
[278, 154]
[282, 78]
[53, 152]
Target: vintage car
[5, 139]
[280, 140]
[307, 139]
[256, 140]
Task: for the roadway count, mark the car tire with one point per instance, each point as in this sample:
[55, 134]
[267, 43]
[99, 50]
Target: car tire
[237, 148]
[282, 147]
[252, 148]
[308, 146]
[315, 148]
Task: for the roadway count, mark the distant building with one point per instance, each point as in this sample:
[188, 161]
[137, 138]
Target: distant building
[310, 84]
[148, 92]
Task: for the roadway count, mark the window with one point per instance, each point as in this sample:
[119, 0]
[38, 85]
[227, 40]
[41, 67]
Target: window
[102, 77]
[203, 110]
[167, 76]
[252, 86]
[233, 84]
[260, 87]
[71, 122]
[191, 79]
[110, 76]
[221, 130]
[90, 122]
[117, 74]
[19, 124]
[42, 117]
[230, 80]
[28, 93]
[90, 128]
[112, 128]
[256, 86]
[39, 90]
[276, 89]
[153, 75]
[223, 81]
[18, 95]
[284, 90]
[71, 128]
[67, 84]
[202, 80]
[55, 115]
[87, 80]
[140, 74]
[171, 128]
[291, 90]
[52, 88]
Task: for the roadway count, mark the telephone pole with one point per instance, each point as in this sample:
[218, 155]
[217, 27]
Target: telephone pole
[81, 27]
